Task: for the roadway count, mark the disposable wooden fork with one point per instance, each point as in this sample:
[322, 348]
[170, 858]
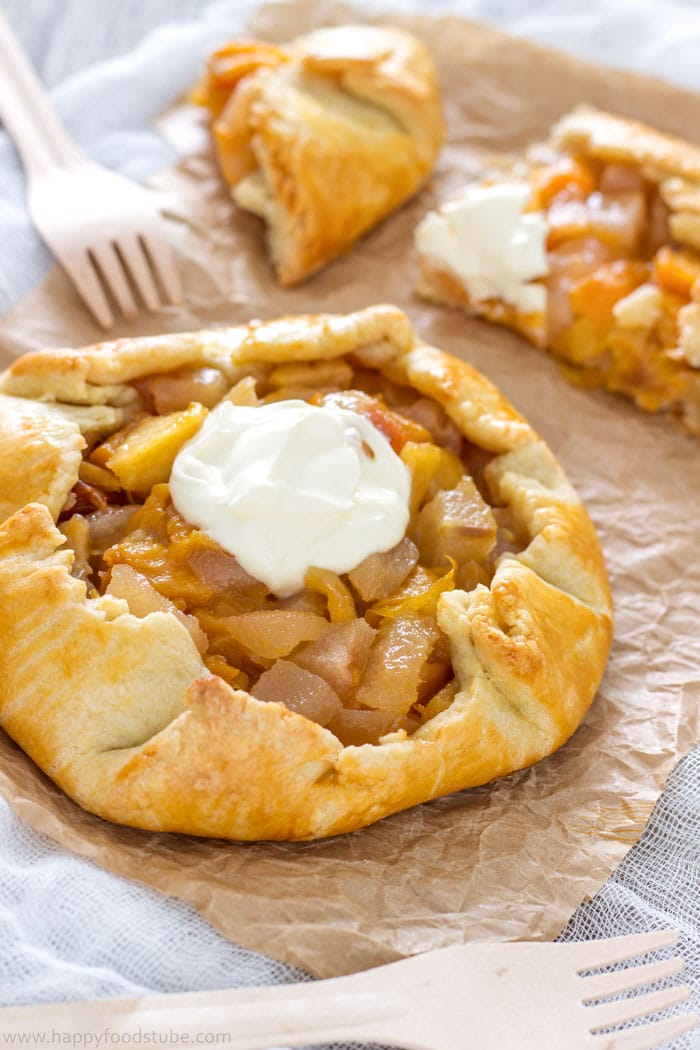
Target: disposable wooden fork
[104, 230]
[520, 996]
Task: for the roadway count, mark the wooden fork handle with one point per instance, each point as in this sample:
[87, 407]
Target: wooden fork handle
[339, 1009]
[26, 112]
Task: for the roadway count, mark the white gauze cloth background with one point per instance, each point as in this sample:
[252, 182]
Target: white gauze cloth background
[69, 930]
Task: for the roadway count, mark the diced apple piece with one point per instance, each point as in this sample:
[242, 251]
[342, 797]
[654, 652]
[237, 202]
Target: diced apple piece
[300, 690]
[92, 474]
[272, 633]
[456, 524]
[397, 657]
[432, 468]
[174, 391]
[339, 656]
[616, 218]
[108, 526]
[567, 178]
[143, 598]
[354, 728]
[380, 575]
[434, 675]
[676, 270]
[594, 295]
[223, 573]
[305, 601]
[145, 457]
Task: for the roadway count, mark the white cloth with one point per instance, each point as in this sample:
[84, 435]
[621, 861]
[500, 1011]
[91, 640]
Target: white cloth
[69, 930]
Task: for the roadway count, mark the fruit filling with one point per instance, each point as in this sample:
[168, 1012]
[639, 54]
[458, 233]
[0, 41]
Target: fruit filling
[361, 652]
[619, 289]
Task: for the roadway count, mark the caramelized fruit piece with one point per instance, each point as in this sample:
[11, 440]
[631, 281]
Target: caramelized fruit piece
[354, 728]
[676, 270]
[223, 573]
[145, 455]
[396, 659]
[333, 374]
[397, 429]
[174, 391]
[271, 633]
[142, 599]
[456, 525]
[615, 218]
[380, 575]
[595, 295]
[104, 479]
[440, 702]
[435, 419]
[107, 526]
[567, 178]
[432, 468]
[339, 655]
[300, 690]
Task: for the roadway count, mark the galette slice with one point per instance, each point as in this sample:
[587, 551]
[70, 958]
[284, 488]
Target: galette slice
[590, 247]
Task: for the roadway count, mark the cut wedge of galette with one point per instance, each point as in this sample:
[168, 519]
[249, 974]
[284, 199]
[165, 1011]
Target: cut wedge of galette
[589, 246]
[323, 137]
[281, 580]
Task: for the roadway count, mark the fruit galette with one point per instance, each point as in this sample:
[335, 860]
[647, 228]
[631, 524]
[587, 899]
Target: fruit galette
[591, 247]
[281, 580]
[324, 137]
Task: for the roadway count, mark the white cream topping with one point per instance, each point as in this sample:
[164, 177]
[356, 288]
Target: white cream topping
[289, 485]
[487, 240]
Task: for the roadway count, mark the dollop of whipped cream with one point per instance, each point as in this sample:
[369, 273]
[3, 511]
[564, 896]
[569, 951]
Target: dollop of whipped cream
[289, 485]
[487, 240]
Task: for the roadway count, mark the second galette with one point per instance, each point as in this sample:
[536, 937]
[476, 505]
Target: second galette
[323, 137]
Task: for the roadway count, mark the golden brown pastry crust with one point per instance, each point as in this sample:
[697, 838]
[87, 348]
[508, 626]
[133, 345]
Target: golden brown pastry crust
[337, 137]
[131, 724]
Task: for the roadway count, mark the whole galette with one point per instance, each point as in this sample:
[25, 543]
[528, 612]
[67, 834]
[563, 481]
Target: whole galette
[281, 580]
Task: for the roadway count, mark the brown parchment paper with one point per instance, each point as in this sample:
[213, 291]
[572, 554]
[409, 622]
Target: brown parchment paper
[513, 859]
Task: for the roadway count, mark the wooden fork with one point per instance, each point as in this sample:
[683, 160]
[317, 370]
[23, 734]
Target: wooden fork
[520, 996]
[104, 230]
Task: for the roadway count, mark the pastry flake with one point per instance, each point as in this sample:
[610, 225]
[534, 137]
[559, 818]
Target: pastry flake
[164, 687]
[324, 137]
[617, 206]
